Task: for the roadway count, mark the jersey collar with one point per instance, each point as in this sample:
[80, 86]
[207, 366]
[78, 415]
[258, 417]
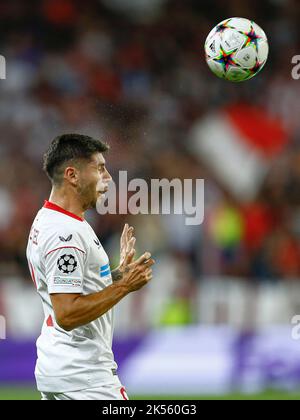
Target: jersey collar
[55, 207]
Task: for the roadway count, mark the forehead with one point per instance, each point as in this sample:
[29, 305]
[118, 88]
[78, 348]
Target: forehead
[97, 159]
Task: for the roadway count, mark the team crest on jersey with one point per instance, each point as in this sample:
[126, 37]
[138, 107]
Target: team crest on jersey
[67, 264]
[66, 239]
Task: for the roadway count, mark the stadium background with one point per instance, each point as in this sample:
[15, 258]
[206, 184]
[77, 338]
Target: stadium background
[217, 317]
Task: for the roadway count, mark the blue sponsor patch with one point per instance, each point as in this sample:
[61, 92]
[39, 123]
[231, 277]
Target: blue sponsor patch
[104, 270]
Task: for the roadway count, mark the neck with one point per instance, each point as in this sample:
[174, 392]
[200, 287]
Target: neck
[64, 200]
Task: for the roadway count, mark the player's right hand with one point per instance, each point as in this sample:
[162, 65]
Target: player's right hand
[138, 273]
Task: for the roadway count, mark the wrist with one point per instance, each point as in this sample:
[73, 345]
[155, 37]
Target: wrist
[120, 287]
[117, 274]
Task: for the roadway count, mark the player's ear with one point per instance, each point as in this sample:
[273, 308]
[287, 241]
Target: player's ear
[71, 174]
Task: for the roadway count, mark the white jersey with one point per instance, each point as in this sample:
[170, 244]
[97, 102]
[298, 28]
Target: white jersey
[65, 256]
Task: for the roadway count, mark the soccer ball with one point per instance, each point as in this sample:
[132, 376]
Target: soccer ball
[236, 49]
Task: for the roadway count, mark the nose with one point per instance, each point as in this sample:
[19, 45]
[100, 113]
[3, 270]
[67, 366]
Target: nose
[107, 175]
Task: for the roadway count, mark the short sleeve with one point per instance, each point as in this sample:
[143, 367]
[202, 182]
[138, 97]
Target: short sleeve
[65, 264]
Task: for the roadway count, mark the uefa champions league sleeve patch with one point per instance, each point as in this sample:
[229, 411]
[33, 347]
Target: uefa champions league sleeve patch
[67, 263]
[65, 270]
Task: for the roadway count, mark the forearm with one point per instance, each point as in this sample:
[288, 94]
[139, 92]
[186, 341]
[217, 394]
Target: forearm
[75, 310]
[86, 308]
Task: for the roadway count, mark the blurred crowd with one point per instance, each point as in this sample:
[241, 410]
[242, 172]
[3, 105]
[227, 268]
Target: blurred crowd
[133, 73]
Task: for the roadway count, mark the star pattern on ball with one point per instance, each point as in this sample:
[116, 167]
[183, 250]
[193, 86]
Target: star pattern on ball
[225, 59]
[221, 28]
[256, 68]
[67, 264]
[252, 38]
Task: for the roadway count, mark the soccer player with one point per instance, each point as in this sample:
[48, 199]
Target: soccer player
[72, 275]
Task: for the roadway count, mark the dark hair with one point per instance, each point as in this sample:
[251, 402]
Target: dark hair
[69, 147]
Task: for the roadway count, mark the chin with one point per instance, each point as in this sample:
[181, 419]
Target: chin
[99, 199]
[94, 203]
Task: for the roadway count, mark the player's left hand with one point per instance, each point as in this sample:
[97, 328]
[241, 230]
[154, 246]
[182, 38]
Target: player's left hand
[127, 250]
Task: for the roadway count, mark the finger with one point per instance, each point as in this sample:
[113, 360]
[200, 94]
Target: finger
[148, 272]
[130, 245]
[125, 229]
[143, 258]
[146, 265]
[129, 257]
[130, 232]
[124, 233]
[149, 263]
[149, 276]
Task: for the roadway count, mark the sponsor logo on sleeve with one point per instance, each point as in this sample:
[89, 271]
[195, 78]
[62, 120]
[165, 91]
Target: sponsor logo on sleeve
[65, 281]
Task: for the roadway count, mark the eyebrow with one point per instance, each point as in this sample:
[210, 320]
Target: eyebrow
[98, 163]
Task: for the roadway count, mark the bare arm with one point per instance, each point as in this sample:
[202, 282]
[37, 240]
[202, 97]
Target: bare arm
[74, 310]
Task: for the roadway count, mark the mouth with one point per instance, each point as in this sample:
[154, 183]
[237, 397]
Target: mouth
[103, 191]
